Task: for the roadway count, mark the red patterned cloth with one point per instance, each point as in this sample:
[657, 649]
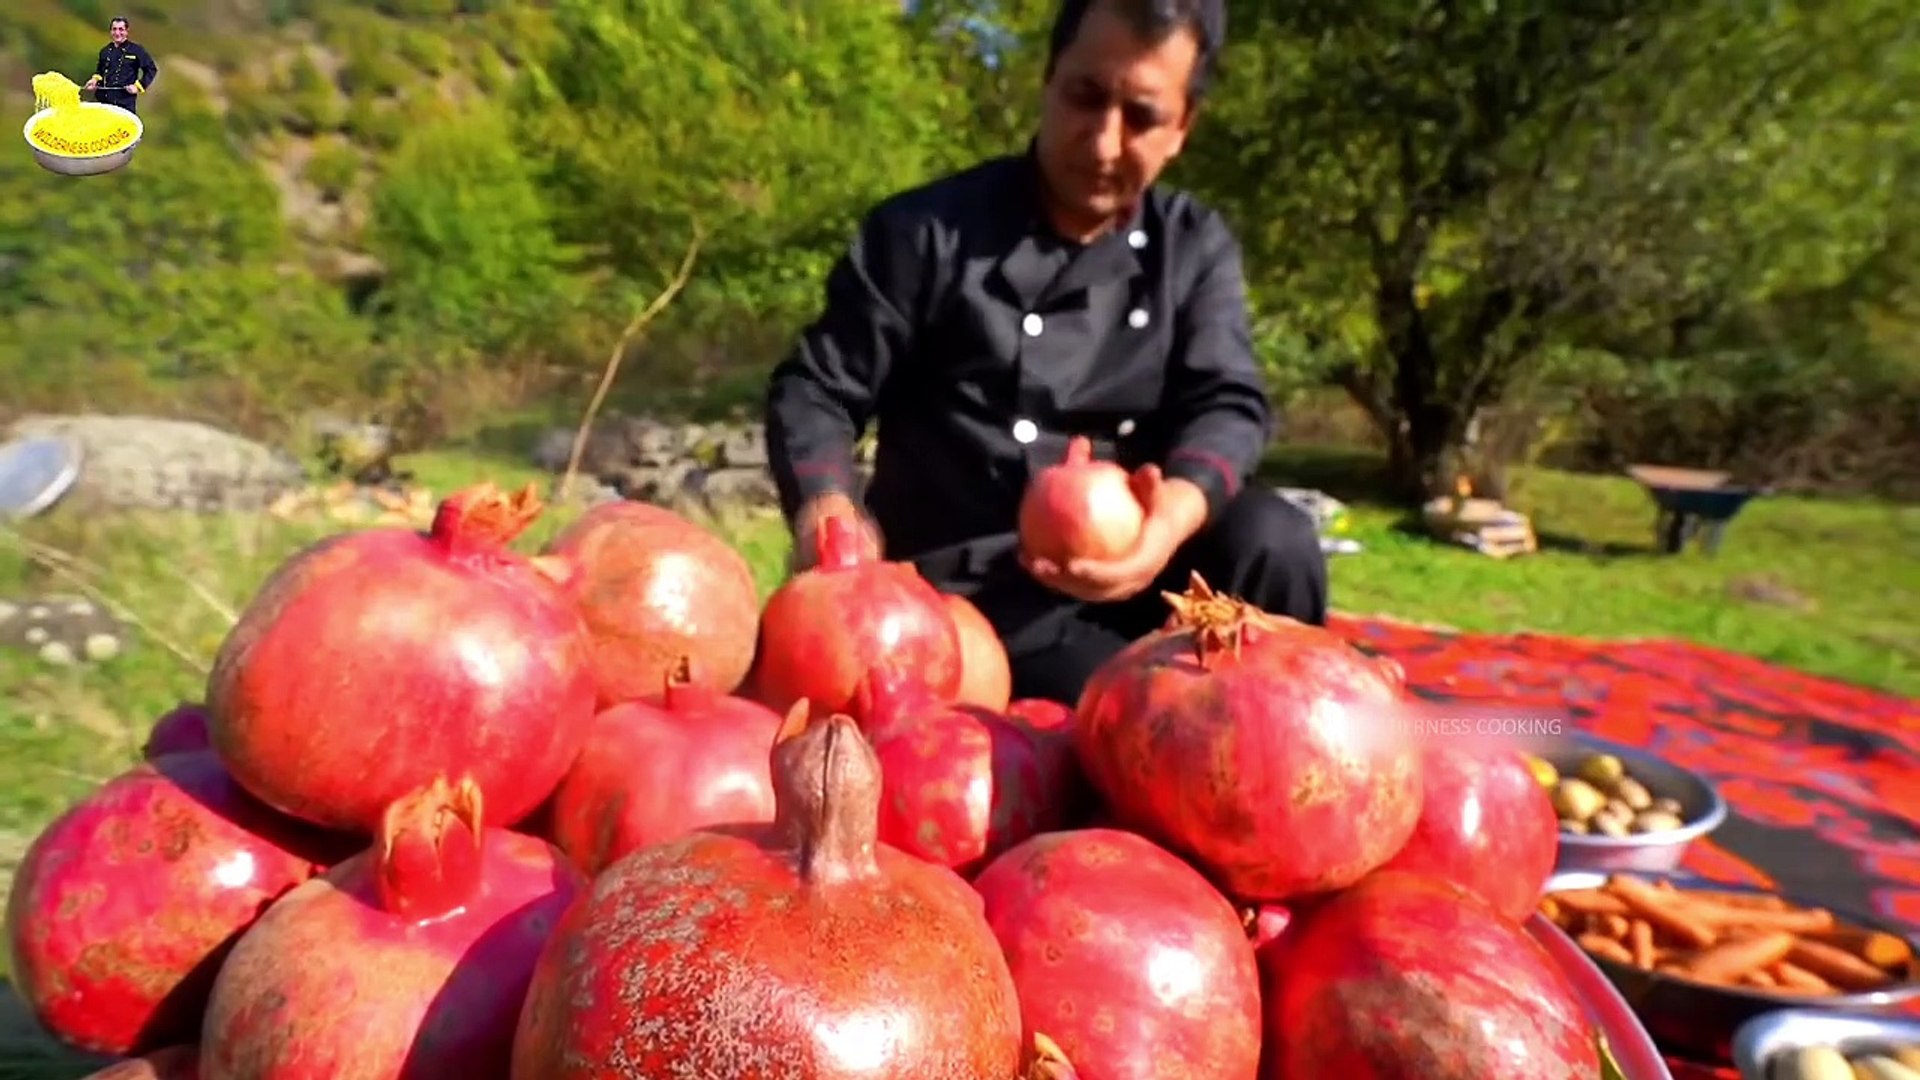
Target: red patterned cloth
[1823, 778]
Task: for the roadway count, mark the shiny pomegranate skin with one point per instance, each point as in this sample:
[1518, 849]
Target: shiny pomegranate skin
[409, 961]
[1270, 753]
[824, 627]
[1051, 725]
[656, 588]
[959, 784]
[1409, 977]
[1081, 508]
[1124, 956]
[373, 661]
[986, 679]
[1485, 824]
[181, 730]
[124, 905]
[657, 768]
[804, 949]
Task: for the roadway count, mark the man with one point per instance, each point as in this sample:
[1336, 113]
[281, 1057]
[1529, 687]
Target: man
[983, 319]
[124, 70]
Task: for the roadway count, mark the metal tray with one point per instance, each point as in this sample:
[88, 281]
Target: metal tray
[1632, 1048]
[1701, 1020]
[1760, 1039]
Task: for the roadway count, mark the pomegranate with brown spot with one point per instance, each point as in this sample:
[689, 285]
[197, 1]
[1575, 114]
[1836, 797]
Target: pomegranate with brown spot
[1409, 977]
[1126, 958]
[124, 906]
[802, 950]
[409, 960]
[373, 661]
[655, 587]
[657, 768]
[1272, 753]
[827, 625]
[959, 784]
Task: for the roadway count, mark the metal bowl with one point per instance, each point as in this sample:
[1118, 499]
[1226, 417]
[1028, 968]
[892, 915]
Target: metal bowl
[1699, 1019]
[84, 166]
[1760, 1040]
[1701, 808]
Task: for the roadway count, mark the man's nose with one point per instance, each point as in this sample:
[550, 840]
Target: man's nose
[1109, 137]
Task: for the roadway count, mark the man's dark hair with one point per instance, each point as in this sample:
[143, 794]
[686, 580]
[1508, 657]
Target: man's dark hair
[119, 20]
[1155, 21]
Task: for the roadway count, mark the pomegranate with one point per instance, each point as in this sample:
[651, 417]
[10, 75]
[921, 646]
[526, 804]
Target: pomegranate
[1485, 824]
[986, 679]
[181, 730]
[959, 784]
[827, 625]
[1048, 1062]
[1126, 958]
[653, 769]
[1272, 753]
[654, 588]
[807, 946]
[409, 960]
[1051, 725]
[1080, 509]
[371, 662]
[125, 904]
[173, 1063]
[1408, 977]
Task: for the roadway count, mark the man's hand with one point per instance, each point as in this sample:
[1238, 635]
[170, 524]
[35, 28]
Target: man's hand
[806, 527]
[132, 88]
[1175, 511]
[93, 82]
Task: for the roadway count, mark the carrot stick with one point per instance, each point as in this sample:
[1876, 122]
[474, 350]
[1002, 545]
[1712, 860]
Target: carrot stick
[1663, 911]
[1640, 943]
[1732, 919]
[1605, 947]
[1732, 960]
[1796, 978]
[1614, 926]
[1590, 902]
[1551, 910]
[1837, 966]
[1880, 949]
[1754, 901]
[1761, 979]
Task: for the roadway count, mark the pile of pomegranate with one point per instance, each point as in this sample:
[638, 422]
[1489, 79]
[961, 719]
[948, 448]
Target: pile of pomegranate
[452, 808]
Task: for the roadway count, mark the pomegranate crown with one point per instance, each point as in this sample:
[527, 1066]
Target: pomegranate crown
[428, 852]
[826, 796]
[837, 543]
[483, 518]
[1219, 623]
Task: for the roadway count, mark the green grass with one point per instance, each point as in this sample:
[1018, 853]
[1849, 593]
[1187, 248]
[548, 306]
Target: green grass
[1848, 570]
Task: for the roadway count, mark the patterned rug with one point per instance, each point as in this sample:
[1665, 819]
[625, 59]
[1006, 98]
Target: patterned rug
[1823, 778]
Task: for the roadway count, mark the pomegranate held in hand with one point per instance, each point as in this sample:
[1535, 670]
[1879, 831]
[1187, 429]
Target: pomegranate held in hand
[1080, 509]
[409, 960]
[1272, 753]
[1485, 824]
[371, 662]
[657, 768]
[959, 784]
[1126, 958]
[182, 730]
[807, 946]
[986, 679]
[1408, 977]
[827, 625]
[125, 904]
[654, 588]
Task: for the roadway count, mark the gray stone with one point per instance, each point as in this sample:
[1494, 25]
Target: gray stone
[144, 462]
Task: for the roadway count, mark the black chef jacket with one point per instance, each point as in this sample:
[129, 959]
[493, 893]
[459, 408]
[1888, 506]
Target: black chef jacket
[978, 342]
[122, 65]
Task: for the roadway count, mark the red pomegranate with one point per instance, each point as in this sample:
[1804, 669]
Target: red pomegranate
[807, 945]
[959, 784]
[1408, 977]
[1125, 957]
[371, 662]
[1080, 509]
[408, 960]
[654, 588]
[654, 769]
[181, 730]
[125, 904]
[986, 679]
[1271, 752]
[827, 625]
[1485, 824]
[173, 1063]
[1051, 725]
[1046, 1061]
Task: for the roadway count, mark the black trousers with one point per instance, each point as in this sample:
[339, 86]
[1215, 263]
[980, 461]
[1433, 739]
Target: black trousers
[119, 99]
[1261, 548]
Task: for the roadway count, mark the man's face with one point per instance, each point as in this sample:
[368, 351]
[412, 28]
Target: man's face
[117, 31]
[1115, 113]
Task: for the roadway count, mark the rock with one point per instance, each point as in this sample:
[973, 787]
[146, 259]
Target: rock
[60, 630]
[740, 488]
[150, 463]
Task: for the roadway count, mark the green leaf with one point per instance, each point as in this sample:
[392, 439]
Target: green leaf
[1609, 1068]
